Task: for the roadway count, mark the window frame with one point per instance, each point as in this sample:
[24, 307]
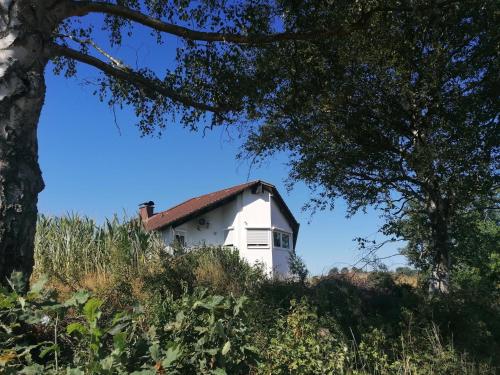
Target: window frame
[282, 241]
[282, 233]
[276, 236]
[180, 233]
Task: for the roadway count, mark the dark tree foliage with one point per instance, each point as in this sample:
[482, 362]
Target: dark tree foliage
[401, 115]
[389, 103]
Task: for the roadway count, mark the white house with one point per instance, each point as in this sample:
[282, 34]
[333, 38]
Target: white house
[251, 217]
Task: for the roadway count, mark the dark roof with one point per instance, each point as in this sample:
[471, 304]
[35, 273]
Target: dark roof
[199, 205]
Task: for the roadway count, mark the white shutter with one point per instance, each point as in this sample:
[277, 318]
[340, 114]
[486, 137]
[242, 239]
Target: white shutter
[258, 237]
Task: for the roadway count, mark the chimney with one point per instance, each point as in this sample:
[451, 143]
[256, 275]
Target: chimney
[146, 210]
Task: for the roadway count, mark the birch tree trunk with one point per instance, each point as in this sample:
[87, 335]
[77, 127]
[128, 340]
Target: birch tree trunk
[22, 91]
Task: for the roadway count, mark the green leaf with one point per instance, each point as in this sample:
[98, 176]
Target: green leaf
[226, 348]
[78, 298]
[107, 363]
[172, 354]
[78, 327]
[91, 309]
[239, 305]
[219, 371]
[154, 350]
[212, 352]
[179, 317]
[22, 302]
[49, 349]
[37, 287]
[118, 328]
[120, 341]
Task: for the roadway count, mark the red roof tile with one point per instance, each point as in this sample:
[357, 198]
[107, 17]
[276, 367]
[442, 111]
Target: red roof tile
[179, 213]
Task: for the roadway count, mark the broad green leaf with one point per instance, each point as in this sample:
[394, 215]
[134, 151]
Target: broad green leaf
[107, 363]
[120, 341]
[91, 309]
[239, 305]
[154, 350]
[226, 348]
[78, 298]
[219, 371]
[172, 354]
[49, 349]
[78, 327]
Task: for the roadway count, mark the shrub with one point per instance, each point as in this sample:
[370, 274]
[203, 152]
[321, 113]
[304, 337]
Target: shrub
[298, 268]
[207, 311]
[210, 334]
[301, 344]
[219, 269]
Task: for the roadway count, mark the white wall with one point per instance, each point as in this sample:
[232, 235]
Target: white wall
[256, 212]
[246, 211]
[281, 258]
[218, 221]
[278, 220]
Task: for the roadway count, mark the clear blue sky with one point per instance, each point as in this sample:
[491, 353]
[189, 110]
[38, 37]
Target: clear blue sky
[92, 168]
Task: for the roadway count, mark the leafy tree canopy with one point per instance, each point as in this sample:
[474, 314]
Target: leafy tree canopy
[389, 103]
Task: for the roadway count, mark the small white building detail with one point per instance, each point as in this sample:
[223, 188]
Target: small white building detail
[251, 217]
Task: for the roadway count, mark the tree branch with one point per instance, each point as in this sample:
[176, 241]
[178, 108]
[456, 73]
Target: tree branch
[82, 8]
[114, 61]
[136, 79]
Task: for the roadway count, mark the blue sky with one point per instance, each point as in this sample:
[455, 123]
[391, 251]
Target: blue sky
[96, 167]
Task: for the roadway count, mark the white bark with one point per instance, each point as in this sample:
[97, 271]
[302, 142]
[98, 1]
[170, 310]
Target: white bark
[22, 90]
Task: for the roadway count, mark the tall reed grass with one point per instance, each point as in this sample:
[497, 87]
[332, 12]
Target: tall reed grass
[71, 247]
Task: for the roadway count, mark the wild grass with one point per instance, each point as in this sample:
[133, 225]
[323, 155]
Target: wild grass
[175, 312]
[75, 250]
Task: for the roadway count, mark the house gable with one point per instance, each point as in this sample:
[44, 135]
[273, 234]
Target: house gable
[203, 204]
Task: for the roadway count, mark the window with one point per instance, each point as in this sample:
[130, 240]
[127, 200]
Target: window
[277, 239]
[180, 238]
[285, 240]
[257, 238]
[281, 239]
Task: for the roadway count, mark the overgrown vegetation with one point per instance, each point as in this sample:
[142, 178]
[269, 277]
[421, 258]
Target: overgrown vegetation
[115, 301]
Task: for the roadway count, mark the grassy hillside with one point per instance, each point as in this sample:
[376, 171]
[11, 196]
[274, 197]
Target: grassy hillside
[110, 300]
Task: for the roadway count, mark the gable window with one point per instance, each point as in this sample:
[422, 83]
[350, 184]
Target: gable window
[281, 239]
[277, 239]
[285, 240]
[258, 238]
[180, 238]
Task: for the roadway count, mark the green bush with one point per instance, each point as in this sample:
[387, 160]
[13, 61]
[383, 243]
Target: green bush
[301, 344]
[210, 334]
[207, 311]
[219, 269]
